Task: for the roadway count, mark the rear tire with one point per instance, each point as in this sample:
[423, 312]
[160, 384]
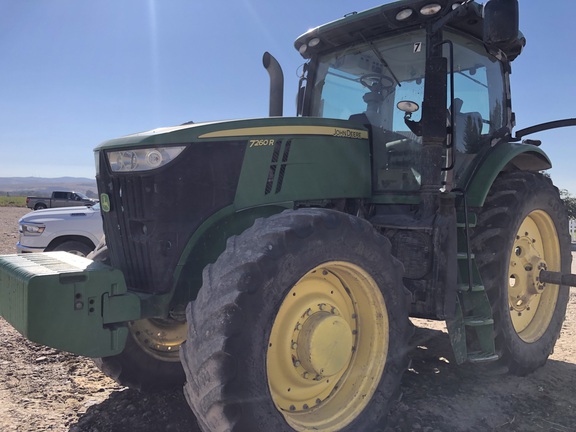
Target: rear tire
[40, 207]
[150, 360]
[301, 324]
[522, 228]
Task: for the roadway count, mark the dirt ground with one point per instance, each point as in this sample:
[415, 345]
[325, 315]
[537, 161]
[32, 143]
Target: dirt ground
[42, 389]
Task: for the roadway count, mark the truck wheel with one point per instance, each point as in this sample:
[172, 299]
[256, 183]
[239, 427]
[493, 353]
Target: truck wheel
[523, 228]
[40, 206]
[74, 247]
[150, 361]
[301, 324]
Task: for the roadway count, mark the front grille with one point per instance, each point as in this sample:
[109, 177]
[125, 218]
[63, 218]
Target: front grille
[274, 164]
[153, 214]
[128, 249]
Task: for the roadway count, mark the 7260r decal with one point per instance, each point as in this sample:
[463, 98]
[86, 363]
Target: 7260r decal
[261, 142]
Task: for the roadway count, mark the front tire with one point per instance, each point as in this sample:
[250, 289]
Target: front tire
[301, 324]
[150, 360]
[74, 247]
[522, 229]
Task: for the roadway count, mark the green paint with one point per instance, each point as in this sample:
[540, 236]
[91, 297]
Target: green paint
[67, 302]
[209, 242]
[484, 171]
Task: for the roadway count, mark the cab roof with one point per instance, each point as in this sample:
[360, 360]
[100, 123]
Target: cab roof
[380, 20]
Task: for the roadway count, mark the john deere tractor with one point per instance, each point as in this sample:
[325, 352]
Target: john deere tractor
[271, 265]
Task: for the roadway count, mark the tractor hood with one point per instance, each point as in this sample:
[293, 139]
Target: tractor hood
[243, 129]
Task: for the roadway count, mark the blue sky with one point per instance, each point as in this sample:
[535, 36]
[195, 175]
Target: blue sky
[76, 73]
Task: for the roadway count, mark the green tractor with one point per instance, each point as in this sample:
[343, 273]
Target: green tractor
[271, 265]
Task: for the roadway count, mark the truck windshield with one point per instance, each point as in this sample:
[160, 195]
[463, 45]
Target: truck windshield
[354, 84]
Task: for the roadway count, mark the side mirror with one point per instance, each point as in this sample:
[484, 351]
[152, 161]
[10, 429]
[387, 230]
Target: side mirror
[408, 107]
[501, 27]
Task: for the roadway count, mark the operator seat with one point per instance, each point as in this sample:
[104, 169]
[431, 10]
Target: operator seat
[468, 129]
[467, 137]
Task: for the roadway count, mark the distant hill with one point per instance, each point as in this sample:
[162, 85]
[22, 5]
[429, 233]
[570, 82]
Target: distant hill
[24, 186]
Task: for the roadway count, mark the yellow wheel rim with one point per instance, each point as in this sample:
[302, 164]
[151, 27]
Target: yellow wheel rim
[532, 303]
[328, 347]
[159, 338]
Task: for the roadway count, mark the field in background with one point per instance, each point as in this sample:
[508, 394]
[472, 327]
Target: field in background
[12, 201]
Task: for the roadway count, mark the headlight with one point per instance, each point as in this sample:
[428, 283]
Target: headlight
[31, 229]
[142, 159]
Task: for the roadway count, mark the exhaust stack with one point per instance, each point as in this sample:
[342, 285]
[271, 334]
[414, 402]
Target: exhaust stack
[276, 84]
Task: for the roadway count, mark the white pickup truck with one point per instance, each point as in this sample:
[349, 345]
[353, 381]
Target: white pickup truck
[77, 230]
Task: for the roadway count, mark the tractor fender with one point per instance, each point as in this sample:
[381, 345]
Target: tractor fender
[209, 241]
[502, 157]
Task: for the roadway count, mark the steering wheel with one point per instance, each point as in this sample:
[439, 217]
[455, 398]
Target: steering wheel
[376, 82]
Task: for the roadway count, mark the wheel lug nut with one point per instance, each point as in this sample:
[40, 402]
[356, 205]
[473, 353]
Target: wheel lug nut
[294, 345]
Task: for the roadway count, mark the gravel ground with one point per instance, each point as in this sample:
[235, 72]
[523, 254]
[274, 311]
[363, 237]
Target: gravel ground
[42, 389]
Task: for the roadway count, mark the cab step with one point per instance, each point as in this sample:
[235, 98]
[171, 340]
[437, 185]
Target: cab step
[471, 329]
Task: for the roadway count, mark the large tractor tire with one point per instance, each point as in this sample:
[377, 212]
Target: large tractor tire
[301, 324]
[150, 360]
[522, 229]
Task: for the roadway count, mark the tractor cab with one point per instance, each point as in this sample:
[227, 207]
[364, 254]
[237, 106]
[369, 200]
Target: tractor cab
[377, 76]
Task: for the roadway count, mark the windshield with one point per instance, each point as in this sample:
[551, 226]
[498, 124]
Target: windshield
[344, 78]
[364, 83]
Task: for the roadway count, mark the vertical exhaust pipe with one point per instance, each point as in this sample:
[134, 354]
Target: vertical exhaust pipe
[276, 84]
